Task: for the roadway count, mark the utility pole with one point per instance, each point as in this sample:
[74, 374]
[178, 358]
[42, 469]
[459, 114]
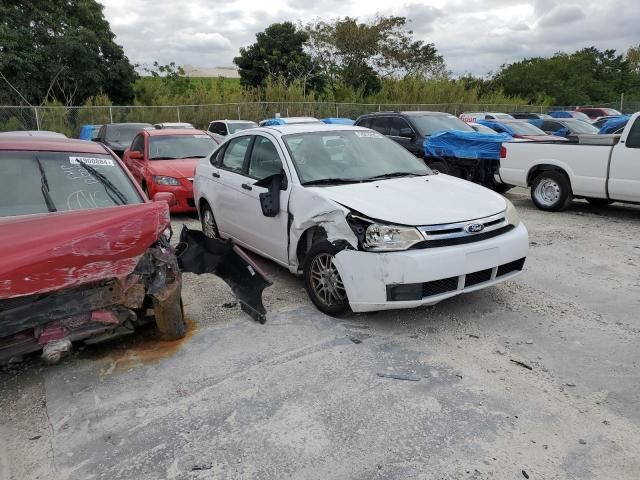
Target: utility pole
[621, 102]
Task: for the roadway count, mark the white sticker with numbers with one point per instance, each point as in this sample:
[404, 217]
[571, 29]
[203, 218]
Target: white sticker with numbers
[92, 161]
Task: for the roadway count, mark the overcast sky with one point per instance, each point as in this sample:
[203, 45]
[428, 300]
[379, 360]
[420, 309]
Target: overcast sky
[475, 36]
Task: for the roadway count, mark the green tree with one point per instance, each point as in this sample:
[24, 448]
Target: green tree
[277, 53]
[633, 58]
[586, 76]
[383, 48]
[60, 51]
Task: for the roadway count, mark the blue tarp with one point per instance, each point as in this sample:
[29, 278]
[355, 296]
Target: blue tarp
[536, 122]
[559, 114]
[614, 124]
[498, 126]
[338, 121]
[86, 132]
[270, 122]
[473, 145]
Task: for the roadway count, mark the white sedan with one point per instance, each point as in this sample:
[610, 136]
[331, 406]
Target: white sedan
[366, 223]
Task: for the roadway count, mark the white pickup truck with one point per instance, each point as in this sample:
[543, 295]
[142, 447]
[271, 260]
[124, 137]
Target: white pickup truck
[599, 172]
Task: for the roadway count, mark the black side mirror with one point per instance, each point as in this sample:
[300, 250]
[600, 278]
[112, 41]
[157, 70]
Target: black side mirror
[270, 201]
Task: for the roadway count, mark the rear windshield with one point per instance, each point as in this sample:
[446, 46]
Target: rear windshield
[63, 184]
[237, 126]
[173, 147]
[524, 128]
[123, 133]
[580, 127]
[428, 124]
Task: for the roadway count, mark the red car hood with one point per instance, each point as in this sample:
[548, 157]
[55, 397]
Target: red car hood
[51, 251]
[184, 168]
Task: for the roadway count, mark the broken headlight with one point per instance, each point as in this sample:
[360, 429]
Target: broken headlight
[511, 214]
[162, 180]
[387, 238]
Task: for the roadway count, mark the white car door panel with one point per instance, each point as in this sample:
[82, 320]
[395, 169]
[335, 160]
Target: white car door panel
[624, 173]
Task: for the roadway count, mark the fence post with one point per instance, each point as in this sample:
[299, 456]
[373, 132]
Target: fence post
[35, 110]
[178, 110]
[337, 111]
[378, 107]
[110, 114]
[239, 117]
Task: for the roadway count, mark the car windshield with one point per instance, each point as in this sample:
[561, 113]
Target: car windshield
[580, 127]
[237, 126]
[123, 133]
[524, 128]
[349, 156]
[428, 124]
[40, 182]
[611, 111]
[172, 147]
[483, 129]
[502, 115]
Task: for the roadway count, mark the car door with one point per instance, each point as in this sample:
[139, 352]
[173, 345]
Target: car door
[266, 235]
[401, 132]
[231, 184]
[136, 165]
[624, 173]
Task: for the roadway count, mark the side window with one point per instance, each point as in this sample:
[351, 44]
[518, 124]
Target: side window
[102, 132]
[235, 153]
[633, 139]
[380, 124]
[265, 160]
[365, 122]
[549, 126]
[138, 144]
[220, 128]
[398, 125]
[216, 157]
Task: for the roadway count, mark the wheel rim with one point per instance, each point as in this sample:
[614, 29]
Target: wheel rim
[547, 192]
[326, 282]
[209, 225]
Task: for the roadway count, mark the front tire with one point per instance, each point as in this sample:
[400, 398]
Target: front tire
[322, 280]
[551, 191]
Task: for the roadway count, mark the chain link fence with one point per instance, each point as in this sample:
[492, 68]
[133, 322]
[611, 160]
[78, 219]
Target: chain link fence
[68, 120]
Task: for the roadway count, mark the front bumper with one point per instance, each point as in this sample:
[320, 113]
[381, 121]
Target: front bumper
[182, 193]
[380, 281]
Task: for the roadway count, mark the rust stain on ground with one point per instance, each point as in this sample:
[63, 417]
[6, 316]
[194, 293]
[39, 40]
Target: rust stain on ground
[148, 350]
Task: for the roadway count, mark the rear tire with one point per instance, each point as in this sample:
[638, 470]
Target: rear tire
[599, 202]
[209, 226]
[551, 191]
[322, 280]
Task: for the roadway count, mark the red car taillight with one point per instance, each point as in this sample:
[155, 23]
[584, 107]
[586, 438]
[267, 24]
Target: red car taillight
[503, 152]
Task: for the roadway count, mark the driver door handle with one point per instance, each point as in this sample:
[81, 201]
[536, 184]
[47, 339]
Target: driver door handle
[246, 186]
[215, 175]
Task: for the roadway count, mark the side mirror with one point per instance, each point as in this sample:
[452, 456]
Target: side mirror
[406, 133]
[270, 201]
[135, 155]
[165, 197]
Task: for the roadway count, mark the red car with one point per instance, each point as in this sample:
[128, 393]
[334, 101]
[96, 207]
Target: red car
[596, 112]
[165, 161]
[85, 256]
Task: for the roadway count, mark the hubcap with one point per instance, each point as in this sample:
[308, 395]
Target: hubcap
[547, 192]
[209, 225]
[326, 282]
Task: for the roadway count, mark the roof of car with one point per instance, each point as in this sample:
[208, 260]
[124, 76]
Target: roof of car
[163, 132]
[232, 121]
[125, 124]
[304, 128]
[410, 113]
[54, 144]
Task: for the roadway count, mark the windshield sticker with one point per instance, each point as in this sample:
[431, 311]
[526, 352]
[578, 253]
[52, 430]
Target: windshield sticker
[94, 162]
[370, 134]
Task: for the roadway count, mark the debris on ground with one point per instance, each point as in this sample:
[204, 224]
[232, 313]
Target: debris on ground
[525, 474]
[522, 364]
[399, 376]
[355, 340]
[203, 466]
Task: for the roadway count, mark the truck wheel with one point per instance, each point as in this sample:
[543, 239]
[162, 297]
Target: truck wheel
[551, 191]
[170, 316]
[440, 167]
[209, 226]
[322, 280]
[599, 202]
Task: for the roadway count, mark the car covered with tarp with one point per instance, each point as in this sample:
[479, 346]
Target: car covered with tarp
[614, 125]
[338, 121]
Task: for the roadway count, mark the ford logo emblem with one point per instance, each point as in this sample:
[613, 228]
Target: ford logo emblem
[474, 228]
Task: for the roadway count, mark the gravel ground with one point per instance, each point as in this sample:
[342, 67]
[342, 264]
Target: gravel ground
[536, 378]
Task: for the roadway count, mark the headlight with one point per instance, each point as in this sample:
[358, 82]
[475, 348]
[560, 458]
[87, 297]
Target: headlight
[390, 237]
[512, 214]
[162, 180]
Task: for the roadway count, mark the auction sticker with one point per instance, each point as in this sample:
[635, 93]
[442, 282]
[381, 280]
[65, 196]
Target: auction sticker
[94, 162]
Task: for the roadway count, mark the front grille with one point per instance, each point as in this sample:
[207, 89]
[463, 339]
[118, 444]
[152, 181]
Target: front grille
[478, 277]
[436, 287]
[510, 267]
[447, 242]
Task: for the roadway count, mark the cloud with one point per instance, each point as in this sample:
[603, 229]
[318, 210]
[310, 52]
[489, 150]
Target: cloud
[475, 36]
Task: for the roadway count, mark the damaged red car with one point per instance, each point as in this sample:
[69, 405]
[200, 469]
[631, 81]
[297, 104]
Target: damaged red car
[86, 257]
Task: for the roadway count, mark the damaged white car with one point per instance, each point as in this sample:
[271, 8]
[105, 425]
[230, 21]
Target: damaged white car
[366, 223]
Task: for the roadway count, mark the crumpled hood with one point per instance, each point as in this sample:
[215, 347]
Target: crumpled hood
[51, 251]
[183, 168]
[429, 200]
